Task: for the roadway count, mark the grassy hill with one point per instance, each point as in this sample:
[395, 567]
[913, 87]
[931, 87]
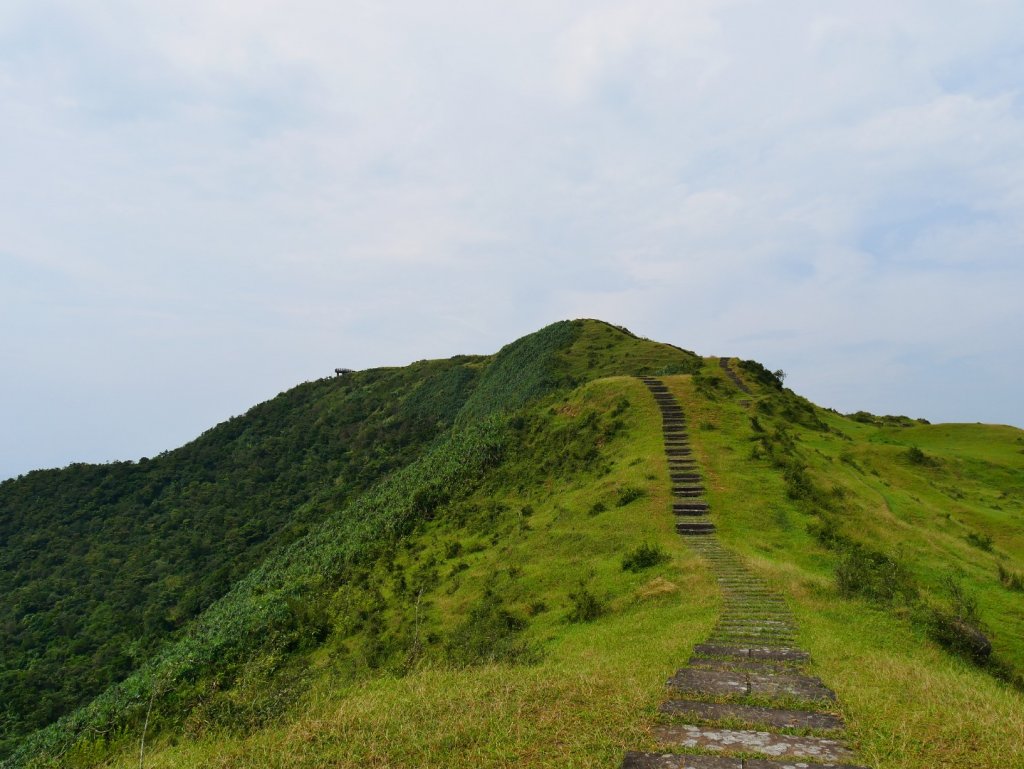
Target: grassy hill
[508, 587]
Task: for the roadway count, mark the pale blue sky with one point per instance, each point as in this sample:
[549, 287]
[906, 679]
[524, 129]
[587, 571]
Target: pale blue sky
[204, 203]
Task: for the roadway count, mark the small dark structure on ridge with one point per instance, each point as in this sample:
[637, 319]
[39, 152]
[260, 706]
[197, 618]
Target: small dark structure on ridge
[343, 371]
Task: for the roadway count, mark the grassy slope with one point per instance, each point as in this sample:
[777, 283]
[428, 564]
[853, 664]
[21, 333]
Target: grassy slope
[909, 704]
[527, 535]
[245, 658]
[595, 684]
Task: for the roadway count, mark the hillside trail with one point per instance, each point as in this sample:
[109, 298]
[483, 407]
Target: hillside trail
[744, 699]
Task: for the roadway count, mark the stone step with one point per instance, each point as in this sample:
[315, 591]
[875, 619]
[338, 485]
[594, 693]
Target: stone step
[761, 667]
[762, 641]
[742, 741]
[800, 687]
[685, 477]
[688, 492]
[639, 760]
[751, 715]
[684, 513]
[754, 630]
[714, 683]
[690, 507]
[776, 621]
[748, 652]
[695, 528]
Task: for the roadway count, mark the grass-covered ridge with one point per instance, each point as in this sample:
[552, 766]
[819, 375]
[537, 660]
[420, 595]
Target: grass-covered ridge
[514, 593]
[270, 608]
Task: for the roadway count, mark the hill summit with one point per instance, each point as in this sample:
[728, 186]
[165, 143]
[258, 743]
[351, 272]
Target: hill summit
[475, 562]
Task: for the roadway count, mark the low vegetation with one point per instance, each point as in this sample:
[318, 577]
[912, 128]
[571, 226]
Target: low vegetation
[512, 591]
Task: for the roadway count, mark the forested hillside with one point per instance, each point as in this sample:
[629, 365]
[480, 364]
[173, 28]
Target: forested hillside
[99, 564]
[104, 564]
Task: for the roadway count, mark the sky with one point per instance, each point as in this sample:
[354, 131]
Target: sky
[205, 202]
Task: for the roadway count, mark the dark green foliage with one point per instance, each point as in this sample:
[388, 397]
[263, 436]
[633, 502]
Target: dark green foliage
[980, 541]
[597, 508]
[264, 613]
[1011, 580]
[878, 577]
[917, 457]
[100, 564]
[889, 420]
[709, 385]
[586, 606]
[490, 633]
[644, 557]
[761, 375]
[521, 371]
[629, 494]
[958, 628]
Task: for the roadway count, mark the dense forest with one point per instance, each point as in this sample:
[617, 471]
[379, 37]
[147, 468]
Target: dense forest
[100, 564]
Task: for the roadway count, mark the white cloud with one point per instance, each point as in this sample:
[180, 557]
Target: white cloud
[256, 188]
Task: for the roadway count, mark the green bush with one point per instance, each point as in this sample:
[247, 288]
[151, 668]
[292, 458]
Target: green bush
[490, 633]
[959, 628]
[1011, 580]
[644, 557]
[586, 606]
[629, 494]
[873, 575]
[980, 541]
[917, 457]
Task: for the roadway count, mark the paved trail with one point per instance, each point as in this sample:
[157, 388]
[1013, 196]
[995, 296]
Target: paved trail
[744, 700]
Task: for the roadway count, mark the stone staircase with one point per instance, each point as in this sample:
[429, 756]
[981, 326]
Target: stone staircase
[744, 699]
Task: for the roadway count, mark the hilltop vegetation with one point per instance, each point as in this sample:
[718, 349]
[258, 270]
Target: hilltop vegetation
[99, 564]
[180, 529]
[506, 586]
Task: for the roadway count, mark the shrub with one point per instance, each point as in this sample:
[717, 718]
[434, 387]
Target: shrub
[873, 575]
[453, 550]
[959, 628]
[490, 633]
[917, 457]
[586, 606]
[981, 541]
[597, 508]
[629, 494]
[644, 557]
[762, 375]
[1011, 580]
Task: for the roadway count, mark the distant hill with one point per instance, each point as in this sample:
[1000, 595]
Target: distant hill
[424, 565]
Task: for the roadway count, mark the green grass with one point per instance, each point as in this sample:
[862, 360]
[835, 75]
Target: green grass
[499, 624]
[593, 685]
[909, 704]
